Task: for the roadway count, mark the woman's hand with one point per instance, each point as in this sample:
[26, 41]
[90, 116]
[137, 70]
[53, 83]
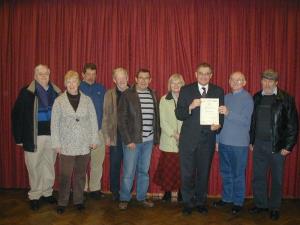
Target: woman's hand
[176, 136]
[93, 146]
[58, 150]
[107, 142]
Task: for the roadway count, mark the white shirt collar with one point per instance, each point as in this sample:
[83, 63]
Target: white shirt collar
[274, 92]
[200, 86]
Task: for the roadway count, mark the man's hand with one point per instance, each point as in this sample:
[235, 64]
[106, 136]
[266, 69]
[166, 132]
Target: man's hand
[251, 147]
[284, 152]
[223, 110]
[217, 147]
[196, 103]
[131, 146]
[214, 127]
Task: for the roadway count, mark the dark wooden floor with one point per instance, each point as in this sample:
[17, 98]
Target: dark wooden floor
[14, 210]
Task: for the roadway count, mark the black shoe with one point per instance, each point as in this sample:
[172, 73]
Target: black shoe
[60, 209]
[257, 210]
[80, 207]
[97, 195]
[34, 205]
[167, 197]
[179, 196]
[220, 203]
[115, 197]
[187, 211]
[236, 209]
[50, 199]
[202, 209]
[274, 214]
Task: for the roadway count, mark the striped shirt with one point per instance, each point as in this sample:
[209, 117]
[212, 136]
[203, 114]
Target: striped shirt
[147, 108]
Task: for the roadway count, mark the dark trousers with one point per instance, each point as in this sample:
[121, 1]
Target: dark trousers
[77, 166]
[195, 163]
[264, 161]
[116, 157]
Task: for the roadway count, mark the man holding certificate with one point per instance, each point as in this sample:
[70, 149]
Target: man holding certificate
[233, 143]
[197, 107]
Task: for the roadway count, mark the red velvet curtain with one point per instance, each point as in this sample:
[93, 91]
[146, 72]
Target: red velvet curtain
[165, 36]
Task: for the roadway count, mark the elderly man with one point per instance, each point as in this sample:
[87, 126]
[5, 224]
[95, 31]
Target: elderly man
[110, 128]
[96, 92]
[273, 133]
[138, 120]
[233, 142]
[197, 141]
[31, 116]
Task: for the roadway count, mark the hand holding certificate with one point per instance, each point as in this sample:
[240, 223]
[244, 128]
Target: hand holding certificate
[209, 111]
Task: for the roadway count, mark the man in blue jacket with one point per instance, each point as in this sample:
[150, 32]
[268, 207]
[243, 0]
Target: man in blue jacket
[96, 92]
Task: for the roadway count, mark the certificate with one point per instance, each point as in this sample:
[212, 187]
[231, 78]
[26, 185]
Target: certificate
[209, 111]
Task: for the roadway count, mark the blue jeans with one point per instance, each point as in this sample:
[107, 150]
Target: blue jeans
[137, 162]
[233, 162]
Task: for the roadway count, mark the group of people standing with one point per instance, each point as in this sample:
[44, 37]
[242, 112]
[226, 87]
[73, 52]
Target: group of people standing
[46, 122]
[79, 122]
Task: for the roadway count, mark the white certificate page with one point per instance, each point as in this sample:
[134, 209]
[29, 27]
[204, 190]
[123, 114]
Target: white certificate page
[209, 111]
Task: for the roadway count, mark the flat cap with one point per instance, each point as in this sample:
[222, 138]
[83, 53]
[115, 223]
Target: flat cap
[270, 75]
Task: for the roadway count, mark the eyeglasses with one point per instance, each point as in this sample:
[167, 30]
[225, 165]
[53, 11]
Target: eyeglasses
[143, 78]
[43, 74]
[237, 81]
[204, 74]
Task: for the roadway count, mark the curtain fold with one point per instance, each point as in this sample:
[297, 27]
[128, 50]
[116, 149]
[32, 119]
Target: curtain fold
[165, 36]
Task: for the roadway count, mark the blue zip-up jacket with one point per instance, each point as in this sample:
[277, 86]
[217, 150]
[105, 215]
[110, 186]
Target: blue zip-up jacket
[96, 93]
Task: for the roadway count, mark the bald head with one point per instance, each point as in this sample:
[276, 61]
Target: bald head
[41, 75]
[41, 69]
[237, 81]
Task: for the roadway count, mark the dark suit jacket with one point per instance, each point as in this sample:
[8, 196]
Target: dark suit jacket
[192, 131]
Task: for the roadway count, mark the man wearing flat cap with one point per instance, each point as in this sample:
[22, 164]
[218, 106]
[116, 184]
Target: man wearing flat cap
[273, 133]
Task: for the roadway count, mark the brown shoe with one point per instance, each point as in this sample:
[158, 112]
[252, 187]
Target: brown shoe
[123, 205]
[147, 203]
